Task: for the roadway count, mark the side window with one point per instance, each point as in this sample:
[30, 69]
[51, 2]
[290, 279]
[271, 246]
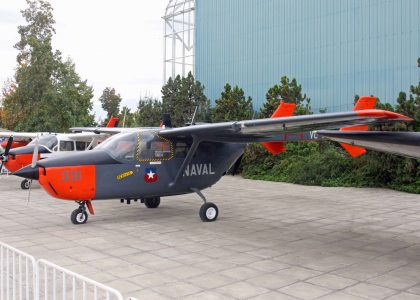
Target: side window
[181, 149]
[154, 148]
[66, 146]
[81, 146]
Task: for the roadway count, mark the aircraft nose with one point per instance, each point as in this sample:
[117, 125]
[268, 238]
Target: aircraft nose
[28, 172]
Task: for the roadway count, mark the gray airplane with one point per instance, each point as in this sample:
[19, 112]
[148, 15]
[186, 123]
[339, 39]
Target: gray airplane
[148, 163]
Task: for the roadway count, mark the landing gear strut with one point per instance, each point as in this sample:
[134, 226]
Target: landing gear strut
[25, 184]
[79, 215]
[208, 211]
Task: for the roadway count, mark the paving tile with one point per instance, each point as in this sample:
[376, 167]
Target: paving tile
[272, 296]
[370, 291]
[177, 289]
[211, 281]
[332, 282]
[404, 296]
[305, 291]
[241, 290]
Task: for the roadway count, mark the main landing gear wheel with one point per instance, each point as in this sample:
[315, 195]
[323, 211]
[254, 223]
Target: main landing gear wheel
[152, 202]
[209, 212]
[25, 184]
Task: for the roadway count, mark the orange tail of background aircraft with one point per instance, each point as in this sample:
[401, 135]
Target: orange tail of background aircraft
[113, 122]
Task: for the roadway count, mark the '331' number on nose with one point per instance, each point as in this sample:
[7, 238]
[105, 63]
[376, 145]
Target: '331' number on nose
[70, 175]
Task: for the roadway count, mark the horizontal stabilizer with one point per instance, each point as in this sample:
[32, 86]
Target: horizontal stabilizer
[354, 151]
[399, 143]
[364, 102]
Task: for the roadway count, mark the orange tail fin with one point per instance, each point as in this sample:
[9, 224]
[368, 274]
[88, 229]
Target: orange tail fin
[363, 103]
[284, 110]
[113, 122]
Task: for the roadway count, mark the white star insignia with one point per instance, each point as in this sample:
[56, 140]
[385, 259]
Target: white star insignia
[150, 174]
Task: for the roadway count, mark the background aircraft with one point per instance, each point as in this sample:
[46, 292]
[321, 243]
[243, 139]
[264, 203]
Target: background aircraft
[147, 164]
[49, 144]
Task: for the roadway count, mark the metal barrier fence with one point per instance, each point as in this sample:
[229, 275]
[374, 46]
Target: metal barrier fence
[17, 274]
[56, 282]
[24, 278]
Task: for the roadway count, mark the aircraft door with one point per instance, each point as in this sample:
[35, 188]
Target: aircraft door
[152, 147]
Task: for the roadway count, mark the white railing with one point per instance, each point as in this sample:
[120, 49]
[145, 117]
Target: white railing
[24, 278]
[56, 282]
[17, 274]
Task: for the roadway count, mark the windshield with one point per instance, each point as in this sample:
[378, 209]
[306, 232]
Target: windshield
[49, 141]
[121, 146]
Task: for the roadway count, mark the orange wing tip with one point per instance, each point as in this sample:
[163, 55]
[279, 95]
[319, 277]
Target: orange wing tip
[355, 128]
[274, 147]
[354, 151]
[365, 102]
[382, 114]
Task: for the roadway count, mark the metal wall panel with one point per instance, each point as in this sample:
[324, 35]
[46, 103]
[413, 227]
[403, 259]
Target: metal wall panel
[334, 48]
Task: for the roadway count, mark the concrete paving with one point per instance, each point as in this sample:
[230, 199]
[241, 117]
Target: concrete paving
[271, 241]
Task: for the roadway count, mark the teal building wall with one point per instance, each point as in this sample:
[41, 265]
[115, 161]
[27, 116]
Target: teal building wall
[334, 48]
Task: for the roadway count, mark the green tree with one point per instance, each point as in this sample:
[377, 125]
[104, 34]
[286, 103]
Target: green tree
[181, 96]
[47, 94]
[110, 101]
[127, 118]
[232, 105]
[289, 92]
[149, 112]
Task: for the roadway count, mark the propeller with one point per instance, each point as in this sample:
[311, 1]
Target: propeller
[33, 164]
[6, 151]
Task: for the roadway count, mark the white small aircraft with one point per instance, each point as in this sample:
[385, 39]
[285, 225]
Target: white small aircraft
[17, 154]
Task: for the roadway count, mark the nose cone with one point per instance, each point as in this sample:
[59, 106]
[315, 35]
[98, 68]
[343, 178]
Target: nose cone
[28, 172]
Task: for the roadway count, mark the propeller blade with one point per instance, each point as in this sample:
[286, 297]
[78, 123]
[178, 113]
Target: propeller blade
[8, 145]
[35, 154]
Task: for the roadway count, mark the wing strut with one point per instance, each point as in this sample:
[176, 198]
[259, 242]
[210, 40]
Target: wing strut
[187, 160]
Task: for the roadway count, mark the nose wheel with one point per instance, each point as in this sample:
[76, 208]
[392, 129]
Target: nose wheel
[79, 216]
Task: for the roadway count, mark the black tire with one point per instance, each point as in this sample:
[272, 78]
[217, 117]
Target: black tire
[208, 212]
[25, 184]
[78, 217]
[152, 202]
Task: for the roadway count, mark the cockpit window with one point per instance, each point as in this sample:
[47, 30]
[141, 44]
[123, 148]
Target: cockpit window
[66, 146]
[141, 146]
[49, 141]
[153, 147]
[121, 146]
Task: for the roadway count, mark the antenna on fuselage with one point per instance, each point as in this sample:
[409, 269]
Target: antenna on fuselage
[193, 116]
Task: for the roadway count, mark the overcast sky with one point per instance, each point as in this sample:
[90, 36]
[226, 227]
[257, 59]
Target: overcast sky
[113, 43]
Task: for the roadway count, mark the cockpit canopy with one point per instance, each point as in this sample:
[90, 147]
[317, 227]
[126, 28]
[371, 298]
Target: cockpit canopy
[142, 146]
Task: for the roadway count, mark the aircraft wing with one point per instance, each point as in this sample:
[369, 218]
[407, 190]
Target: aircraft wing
[85, 136]
[98, 130]
[263, 130]
[113, 130]
[398, 143]
[20, 135]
